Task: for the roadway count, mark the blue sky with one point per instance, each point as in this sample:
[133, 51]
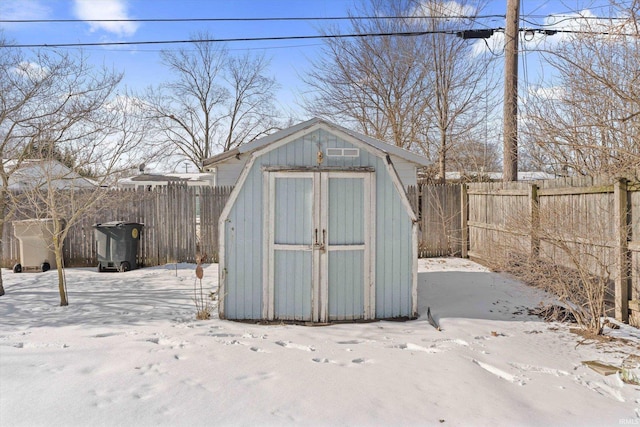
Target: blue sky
[141, 63]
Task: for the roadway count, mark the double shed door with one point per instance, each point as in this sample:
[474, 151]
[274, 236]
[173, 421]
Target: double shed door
[319, 246]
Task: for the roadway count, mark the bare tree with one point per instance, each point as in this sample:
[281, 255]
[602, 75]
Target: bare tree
[216, 102]
[30, 95]
[459, 81]
[423, 92]
[474, 158]
[377, 85]
[77, 112]
[589, 122]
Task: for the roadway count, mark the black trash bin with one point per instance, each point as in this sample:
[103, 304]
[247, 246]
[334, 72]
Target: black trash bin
[117, 245]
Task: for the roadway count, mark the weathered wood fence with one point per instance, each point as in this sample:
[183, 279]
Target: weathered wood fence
[438, 209]
[479, 220]
[180, 223]
[595, 218]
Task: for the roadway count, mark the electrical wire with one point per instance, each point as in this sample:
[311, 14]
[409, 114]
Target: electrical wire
[241, 39]
[307, 37]
[566, 18]
[317, 18]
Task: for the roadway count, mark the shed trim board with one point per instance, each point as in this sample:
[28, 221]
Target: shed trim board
[319, 179]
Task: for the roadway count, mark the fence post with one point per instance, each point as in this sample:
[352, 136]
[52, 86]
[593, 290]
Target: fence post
[622, 253]
[464, 212]
[534, 209]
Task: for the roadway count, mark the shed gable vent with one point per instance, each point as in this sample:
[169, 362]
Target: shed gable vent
[343, 152]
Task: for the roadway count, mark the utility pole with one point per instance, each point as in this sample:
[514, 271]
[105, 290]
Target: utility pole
[510, 117]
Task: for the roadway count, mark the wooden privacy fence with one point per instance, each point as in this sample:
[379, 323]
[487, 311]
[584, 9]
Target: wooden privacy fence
[180, 223]
[485, 221]
[438, 210]
[596, 218]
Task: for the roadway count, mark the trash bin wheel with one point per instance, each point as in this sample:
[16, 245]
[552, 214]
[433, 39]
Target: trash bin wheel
[45, 266]
[17, 268]
[101, 269]
[125, 266]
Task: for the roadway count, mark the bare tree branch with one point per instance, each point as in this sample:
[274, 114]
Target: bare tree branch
[216, 102]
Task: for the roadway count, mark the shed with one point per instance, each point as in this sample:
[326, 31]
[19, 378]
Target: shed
[318, 227]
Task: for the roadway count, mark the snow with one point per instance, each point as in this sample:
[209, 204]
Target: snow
[128, 351]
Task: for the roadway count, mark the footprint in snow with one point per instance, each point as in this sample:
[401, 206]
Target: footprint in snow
[499, 372]
[222, 335]
[457, 341]
[539, 369]
[108, 334]
[322, 360]
[414, 347]
[289, 344]
[351, 342]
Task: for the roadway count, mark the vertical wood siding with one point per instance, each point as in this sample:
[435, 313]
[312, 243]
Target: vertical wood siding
[244, 230]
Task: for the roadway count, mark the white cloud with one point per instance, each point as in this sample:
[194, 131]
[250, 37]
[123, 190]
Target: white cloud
[31, 70]
[106, 9]
[448, 8]
[23, 9]
[129, 104]
[548, 93]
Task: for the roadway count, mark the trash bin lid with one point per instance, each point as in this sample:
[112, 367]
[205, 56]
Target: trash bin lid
[117, 224]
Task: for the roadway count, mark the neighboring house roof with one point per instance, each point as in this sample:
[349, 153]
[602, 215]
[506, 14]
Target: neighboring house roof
[194, 177]
[174, 178]
[311, 125]
[156, 178]
[42, 173]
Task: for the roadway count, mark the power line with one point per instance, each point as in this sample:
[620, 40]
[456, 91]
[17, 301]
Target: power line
[460, 33]
[565, 18]
[242, 39]
[317, 18]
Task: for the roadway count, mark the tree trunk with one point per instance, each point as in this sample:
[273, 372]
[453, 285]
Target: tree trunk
[3, 207]
[62, 288]
[442, 159]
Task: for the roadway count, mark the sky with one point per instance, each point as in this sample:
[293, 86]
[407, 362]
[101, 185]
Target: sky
[141, 63]
[289, 58]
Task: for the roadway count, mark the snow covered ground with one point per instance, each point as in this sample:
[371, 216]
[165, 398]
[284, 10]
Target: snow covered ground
[128, 351]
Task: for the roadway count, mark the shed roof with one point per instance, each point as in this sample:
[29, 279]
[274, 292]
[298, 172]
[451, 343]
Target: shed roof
[318, 123]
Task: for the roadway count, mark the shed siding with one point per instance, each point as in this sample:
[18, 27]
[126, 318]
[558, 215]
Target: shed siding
[227, 173]
[406, 171]
[244, 230]
[393, 251]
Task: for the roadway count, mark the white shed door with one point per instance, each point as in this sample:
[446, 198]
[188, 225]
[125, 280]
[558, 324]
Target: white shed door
[319, 234]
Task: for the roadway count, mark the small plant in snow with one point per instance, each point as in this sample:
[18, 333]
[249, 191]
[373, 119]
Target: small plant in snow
[203, 307]
[629, 377]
